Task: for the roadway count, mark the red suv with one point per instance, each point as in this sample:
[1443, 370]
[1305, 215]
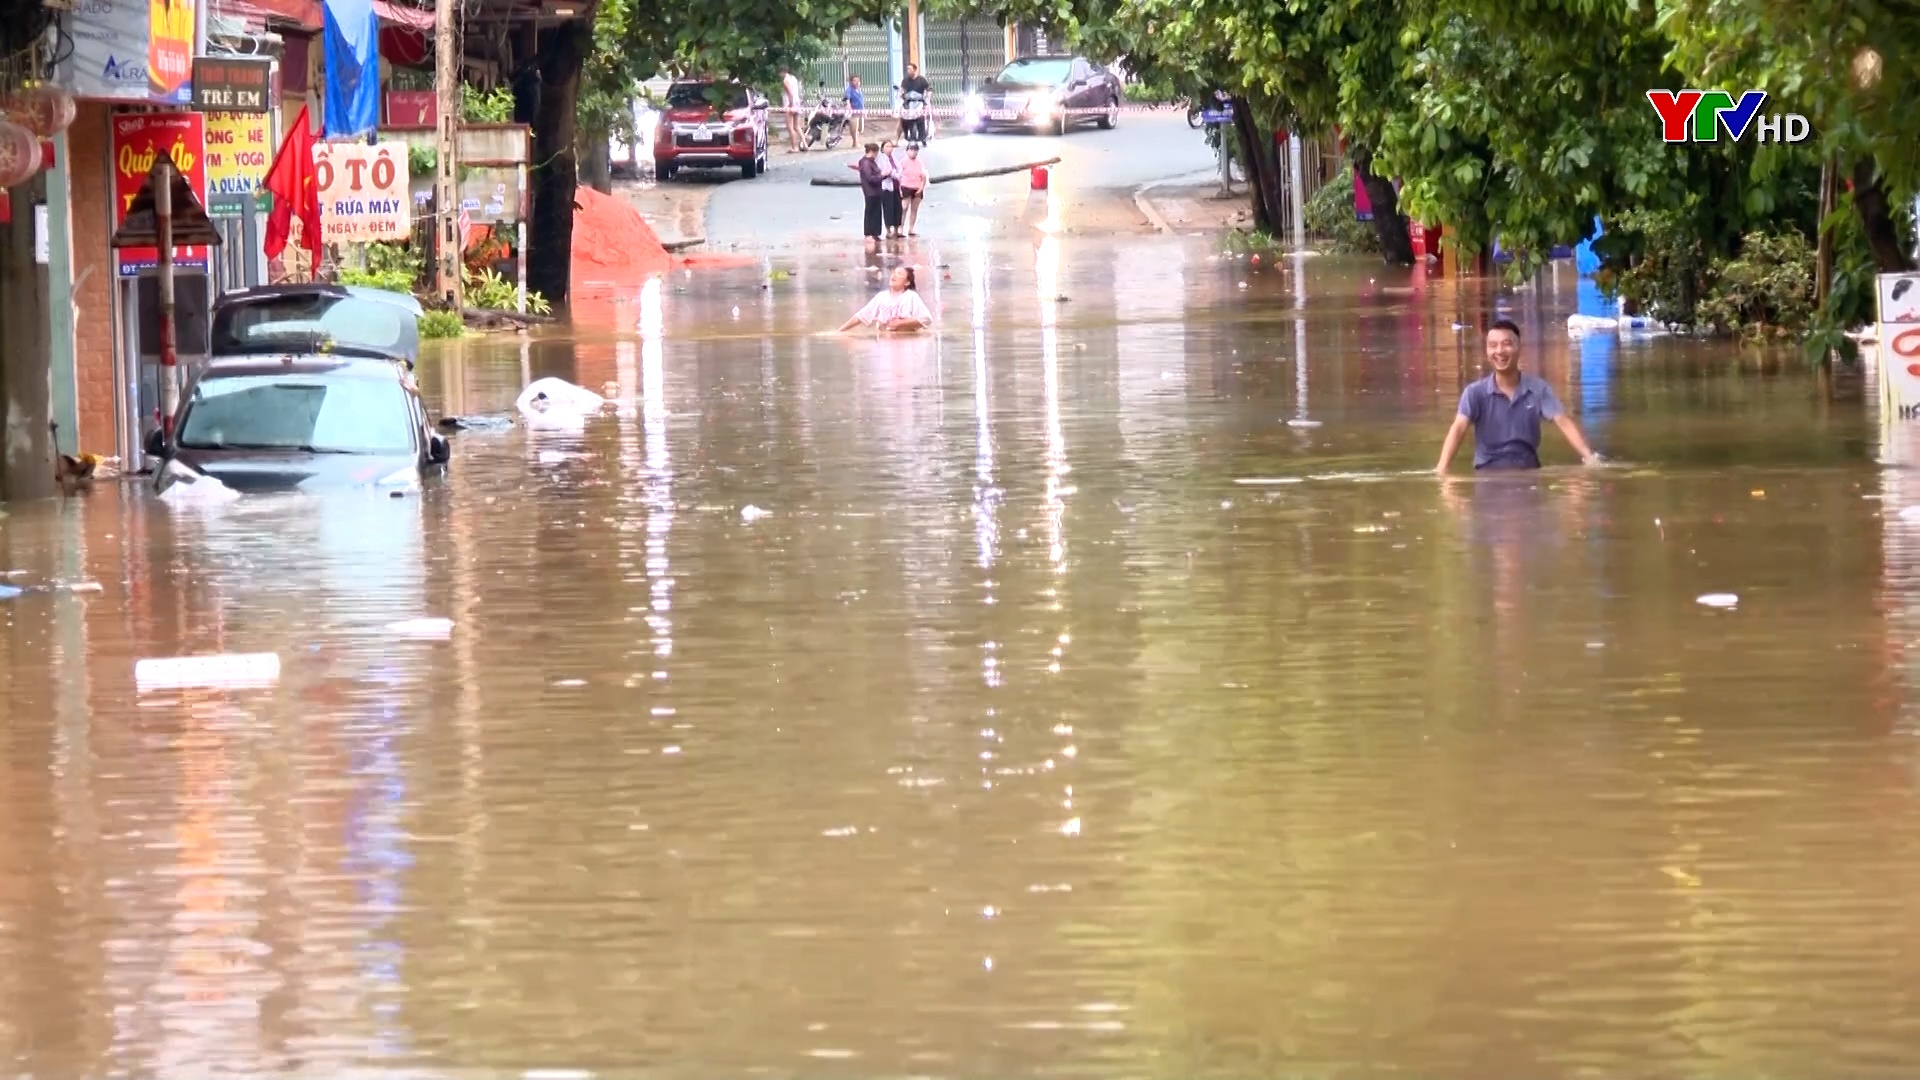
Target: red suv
[711, 125]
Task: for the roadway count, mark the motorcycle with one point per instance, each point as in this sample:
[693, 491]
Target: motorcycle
[829, 122]
[913, 117]
[1196, 113]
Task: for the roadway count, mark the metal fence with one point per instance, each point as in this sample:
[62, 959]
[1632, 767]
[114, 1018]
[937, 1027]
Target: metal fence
[961, 54]
[1321, 163]
[865, 51]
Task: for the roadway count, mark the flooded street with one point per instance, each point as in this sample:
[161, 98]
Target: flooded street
[1088, 692]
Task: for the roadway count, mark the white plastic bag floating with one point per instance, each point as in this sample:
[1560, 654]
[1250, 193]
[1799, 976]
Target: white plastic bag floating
[197, 489]
[559, 400]
[229, 671]
[1587, 324]
[427, 629]
[1578, 325]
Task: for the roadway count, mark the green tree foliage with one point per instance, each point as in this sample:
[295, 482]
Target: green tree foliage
[611, 80]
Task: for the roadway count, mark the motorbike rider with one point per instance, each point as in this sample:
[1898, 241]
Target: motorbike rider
[916, 83]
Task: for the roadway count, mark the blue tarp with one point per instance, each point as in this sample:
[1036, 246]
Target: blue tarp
[1597, 354]
[1584, 260]
[353, 68]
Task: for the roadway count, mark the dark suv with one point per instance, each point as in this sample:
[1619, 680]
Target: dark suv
[711, 125]
[1045, 93]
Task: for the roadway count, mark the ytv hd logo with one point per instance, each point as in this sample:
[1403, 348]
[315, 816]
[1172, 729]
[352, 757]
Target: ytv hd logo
[1712, 110]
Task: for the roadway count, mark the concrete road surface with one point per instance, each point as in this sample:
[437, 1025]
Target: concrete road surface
[1091, 189]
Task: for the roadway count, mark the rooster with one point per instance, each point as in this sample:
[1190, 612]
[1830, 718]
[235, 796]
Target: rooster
[73, 472]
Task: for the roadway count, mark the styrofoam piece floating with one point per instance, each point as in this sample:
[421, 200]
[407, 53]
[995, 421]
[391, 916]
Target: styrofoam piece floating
[218, 671]
[427, 629]
[1719, 600]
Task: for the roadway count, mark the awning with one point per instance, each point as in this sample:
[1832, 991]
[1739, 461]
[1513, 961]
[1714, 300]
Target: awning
[305, 14]
[410, 17]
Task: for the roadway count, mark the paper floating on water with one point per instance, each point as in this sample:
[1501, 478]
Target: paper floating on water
[1719, 599]
[223, 670]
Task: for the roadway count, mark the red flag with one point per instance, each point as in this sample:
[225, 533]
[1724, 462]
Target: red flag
[296, 193]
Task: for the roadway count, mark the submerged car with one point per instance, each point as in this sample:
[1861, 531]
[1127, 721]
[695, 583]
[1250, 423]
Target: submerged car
[299, 421]
[1045, 93]
[711, 125]
[277, 319]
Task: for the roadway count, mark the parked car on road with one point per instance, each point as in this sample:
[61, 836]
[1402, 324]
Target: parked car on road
[1045, 93]
[299, 421]
[706, 124]
[302, 317]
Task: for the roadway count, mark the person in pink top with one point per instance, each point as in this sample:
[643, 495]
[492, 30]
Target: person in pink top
[913, 187]
[897, 309]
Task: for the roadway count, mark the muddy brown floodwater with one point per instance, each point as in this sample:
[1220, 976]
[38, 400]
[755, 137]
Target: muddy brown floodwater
[1021, 736]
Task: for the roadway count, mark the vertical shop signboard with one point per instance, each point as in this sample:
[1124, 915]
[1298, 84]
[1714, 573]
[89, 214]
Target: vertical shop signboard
[138, 140]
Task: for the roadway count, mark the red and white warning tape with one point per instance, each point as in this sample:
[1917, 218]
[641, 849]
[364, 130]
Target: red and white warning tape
[1011, 116]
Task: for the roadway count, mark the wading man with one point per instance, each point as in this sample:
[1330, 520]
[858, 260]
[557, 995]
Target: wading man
[1505, 409]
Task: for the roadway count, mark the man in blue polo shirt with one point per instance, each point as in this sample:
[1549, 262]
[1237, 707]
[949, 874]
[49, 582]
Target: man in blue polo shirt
[1505, 410]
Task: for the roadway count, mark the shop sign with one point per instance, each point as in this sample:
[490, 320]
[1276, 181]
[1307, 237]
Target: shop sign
[238, 153]
[138, 139]
[363, 191]
[231, 84]
[170, 45]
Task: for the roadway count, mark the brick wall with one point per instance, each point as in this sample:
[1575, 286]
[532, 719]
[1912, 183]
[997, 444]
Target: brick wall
[93, 268]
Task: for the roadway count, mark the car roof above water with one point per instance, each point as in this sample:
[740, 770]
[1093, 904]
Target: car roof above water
[350, 367]
[321, 288]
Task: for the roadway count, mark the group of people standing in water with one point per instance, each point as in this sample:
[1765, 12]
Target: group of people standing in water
[893, 183]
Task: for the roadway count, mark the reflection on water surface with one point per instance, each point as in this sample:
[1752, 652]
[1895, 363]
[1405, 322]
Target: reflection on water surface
[1018, 738]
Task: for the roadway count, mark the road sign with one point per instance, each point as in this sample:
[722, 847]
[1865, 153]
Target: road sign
[1217, 116]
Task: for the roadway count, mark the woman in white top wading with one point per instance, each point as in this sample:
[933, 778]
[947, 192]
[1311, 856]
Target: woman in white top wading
[896, 309]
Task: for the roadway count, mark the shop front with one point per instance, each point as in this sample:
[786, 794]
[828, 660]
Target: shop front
[144, 85]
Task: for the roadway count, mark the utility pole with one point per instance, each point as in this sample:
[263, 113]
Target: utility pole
[162, 180]
[1296, 196]
[913, 35]
[446, 190]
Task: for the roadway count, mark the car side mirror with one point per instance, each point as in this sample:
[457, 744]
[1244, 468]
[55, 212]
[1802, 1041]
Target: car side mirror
[156, 443]
[439, 450]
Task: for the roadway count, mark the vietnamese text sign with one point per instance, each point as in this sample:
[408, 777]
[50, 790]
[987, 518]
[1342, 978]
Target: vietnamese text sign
[137, 140]
[238, 153]
[108, 53]
[170, 45]
[230, 84]
[1899, 335]
[363, 191]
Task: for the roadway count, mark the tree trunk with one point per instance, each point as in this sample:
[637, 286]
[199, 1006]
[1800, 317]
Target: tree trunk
[1262, 181]
[556, 172]
[26, 374]
[1823, 248]
[596, 162]
[1396, 244]
[1876, 217]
